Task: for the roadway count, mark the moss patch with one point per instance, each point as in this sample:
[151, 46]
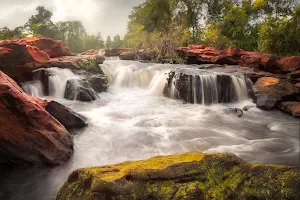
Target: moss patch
[184, 176]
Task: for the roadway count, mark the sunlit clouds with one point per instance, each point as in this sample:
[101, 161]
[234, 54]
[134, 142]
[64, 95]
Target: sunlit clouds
[106, 16]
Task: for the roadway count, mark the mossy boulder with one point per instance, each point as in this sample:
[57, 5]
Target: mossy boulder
[185, 176]
[91, 63]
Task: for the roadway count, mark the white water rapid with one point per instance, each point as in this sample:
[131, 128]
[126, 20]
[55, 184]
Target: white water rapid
[133, 121]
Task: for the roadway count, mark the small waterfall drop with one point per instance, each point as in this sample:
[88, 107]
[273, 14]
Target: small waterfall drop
[137, 75]
[58, 81]
[48, 82]
[206, 87]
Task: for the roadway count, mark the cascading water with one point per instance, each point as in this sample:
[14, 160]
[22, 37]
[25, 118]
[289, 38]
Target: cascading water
[199, 86]
[52, 84]
[133, 121]
[137, 75]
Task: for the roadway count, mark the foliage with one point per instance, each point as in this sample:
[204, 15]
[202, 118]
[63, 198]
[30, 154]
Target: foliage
[271, 26]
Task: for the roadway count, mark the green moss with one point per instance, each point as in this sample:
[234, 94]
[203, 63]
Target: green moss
[91, 63]
[185, 176]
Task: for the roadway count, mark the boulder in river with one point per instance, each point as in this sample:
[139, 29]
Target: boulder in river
[270, 91]
[65, 116]
[290, 107]
[82, 90]
[206, 87]
[28, 133]
[186, 176]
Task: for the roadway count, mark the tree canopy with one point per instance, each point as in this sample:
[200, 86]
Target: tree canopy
[270, 26]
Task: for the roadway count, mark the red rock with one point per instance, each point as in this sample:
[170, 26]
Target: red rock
[29, 134]
[4, 50]
[16, 59]
[91, 52]
[117, 52]
[269, 91]
[252, 61]
[198, 46]
[235, 51]
[269, 63]
[287, 64]
[54, 48]
[37, 54]
[291, 107]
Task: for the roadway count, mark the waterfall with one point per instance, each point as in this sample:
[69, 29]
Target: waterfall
[206, 87]
[50, 82]
[58, 81]
[137, 75]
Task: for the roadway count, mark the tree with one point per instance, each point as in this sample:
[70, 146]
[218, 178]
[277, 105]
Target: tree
[41, 24]
[108, 43]
[6, 33]
[73, 33]
[93, 42]
[117, 42]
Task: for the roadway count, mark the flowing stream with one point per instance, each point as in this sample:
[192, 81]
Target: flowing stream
[133, 121]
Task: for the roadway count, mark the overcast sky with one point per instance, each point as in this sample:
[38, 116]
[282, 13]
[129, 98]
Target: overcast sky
[110, 17]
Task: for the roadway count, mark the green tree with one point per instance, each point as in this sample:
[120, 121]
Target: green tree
[117, 42]
[40, 25]
[93, 42]
[73, 33]
[108, 43]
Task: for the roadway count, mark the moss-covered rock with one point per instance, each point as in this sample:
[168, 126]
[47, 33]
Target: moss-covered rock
[91, 63]
[185, 176]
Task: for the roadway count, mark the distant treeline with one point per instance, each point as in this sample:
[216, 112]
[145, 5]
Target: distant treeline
[270, 26]
[71, 32]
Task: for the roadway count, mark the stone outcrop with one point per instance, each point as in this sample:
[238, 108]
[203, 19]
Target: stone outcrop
[16, 59]
[269, 92]
[292, 108]
[186, 176]
[54, 48]
[116, 52]
[206, 87]
[81, 90]
[29, 134]
[68, 118]
[24, 56]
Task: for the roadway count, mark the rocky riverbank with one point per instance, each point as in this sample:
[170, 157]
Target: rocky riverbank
[34, 131]
[185, 176]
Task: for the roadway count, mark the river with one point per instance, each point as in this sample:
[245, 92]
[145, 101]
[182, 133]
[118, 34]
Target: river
[133, 121]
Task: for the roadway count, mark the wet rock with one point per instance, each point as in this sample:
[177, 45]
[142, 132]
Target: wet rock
[98, 82]
[205, 87]
[89, 63]
[270, 91]
[66, 116]
[290, 107]
[128, 55]
[185, 176]
[235, 111]
[247, 108]
[80, 90]
[29, 134]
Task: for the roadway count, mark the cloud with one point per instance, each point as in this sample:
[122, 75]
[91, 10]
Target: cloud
[109, 17]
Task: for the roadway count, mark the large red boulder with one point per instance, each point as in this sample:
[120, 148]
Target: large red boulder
[291, 107]
[16, 59]
[288, 64]
[54, 48]
[270, 91]
[29, 134]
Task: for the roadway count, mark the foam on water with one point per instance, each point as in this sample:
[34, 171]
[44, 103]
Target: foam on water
[134, 121]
